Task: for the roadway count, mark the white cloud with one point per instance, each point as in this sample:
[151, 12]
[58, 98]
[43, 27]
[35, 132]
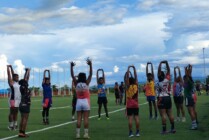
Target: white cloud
[3, 64]
[116, 69]
[19, 68]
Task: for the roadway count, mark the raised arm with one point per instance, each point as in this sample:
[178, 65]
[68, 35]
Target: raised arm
[10, 80]
[135, 75]
[27, 74]
[159, 69]
[49, 76]
[72, 64]
[97, 76]
[175, 73]
[167, 67]
[147, 68]
[88, 61]
[153, 75]
[103, 75]
[190, 70]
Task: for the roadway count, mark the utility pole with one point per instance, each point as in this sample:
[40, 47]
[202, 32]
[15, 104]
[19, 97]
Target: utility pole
[204, 63]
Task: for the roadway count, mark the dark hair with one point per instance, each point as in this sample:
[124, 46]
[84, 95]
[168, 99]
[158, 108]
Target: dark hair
[116, 83]
[149, 74]
[161, 77]
[82, 77]
[14, 75]
[46, 78]
[131, 80]
[23, 82]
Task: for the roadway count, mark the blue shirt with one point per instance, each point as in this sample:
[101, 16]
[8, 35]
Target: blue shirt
[179, 90]
[47, 91]
[102, 88]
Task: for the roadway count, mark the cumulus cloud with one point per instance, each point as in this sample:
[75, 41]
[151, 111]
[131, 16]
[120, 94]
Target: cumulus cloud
[3, 64]
[116, 69]
[56, 15]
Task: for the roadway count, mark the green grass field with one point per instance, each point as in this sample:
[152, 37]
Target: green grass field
[62, 128]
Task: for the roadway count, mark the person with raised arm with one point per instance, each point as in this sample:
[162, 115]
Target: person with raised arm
[189, 96]
[132, 106]
[102, 96]
[150, 91]
[47, 97]
[178, 94]
[25, 103]
[83, 98]
[15, 97]
[74, 100]
[163, 97]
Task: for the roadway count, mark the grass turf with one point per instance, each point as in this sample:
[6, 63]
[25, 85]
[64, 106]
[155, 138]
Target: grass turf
[114, 129]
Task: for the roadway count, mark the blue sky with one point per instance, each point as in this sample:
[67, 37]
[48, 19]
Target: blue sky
[48, 34]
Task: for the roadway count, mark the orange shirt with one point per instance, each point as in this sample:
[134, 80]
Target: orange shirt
[150, 88]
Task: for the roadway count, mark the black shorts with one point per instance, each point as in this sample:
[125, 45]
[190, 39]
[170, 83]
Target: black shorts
[117, 96]
[178, 99]
[24, 108]
[74, 101]
[164, 102]
[189, 101]
[132, 111]
[102, 100]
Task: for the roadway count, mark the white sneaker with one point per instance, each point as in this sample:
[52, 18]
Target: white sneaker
[177, 119]
[78, 136]
[183, 119]
[73, 118]
[86, 136]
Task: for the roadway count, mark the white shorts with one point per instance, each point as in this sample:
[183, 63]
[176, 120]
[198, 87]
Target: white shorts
[82, 105]
[16, 104]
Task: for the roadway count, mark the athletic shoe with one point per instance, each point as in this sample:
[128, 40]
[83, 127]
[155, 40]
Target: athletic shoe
[73, 118]
[193, 128]
[78, 136]
[86, 136]
[164, 132]
[99, 118]
[137, 133]
[183, 119]
[173, 131]
[130, 134]
[15, 127]
[177, 119]
[107, 118]
[150, 117]
[47, 122]
[10, 128]
[22, 135]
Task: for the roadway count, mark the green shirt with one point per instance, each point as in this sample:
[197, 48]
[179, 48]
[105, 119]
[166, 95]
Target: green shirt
[188, 88]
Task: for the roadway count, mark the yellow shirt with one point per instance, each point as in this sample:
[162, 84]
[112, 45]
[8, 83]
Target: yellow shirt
[150, 88]
[133, 89]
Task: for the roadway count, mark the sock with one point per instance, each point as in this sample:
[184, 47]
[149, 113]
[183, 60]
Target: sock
[164, 127]
[15, 123]
[86, 131]
[11, 124]
[78, 130]
[172, 125]
[194, 123]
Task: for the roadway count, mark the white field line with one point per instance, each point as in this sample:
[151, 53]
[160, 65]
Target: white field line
[63, 124]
